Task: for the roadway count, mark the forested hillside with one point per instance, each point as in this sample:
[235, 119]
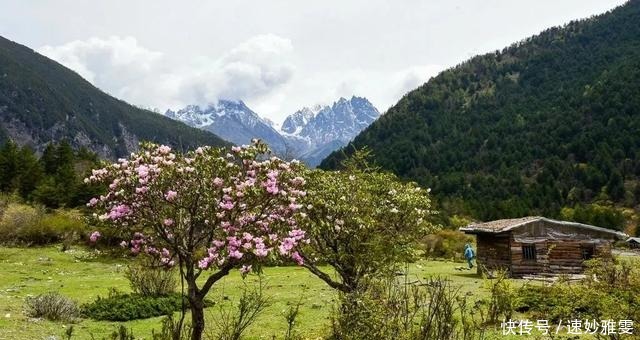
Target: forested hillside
[42, 101]
[550, 122]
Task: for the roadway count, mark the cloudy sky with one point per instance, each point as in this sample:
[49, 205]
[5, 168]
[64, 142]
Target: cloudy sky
[276, 55]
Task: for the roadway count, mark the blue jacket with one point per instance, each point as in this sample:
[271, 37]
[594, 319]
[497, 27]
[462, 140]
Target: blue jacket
[469, 253]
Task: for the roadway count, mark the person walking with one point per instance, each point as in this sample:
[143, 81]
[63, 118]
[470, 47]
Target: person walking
[469, 254]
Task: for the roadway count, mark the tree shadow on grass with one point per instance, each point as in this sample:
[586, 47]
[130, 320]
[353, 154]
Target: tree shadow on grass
[469, 275]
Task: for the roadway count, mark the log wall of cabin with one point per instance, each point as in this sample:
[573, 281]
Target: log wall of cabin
[492, 252]
[520, 266]
[557, 254]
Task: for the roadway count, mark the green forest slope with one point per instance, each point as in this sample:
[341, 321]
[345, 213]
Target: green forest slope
[42, 101]
[552, 121]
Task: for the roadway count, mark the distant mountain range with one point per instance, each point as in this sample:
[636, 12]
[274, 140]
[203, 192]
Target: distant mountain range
[42, 101]
[309, 134]
[231, 120]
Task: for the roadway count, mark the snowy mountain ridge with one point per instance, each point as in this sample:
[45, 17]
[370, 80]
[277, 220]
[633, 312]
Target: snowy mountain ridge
[308, 134]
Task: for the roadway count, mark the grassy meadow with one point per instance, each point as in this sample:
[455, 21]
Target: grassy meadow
[83, 276]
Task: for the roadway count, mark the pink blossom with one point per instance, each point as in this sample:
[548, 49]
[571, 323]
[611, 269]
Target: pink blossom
[142, 190]
[261, 252]
[227, 205]
[204, 263]
[170, 195]
[233, 241]
[94, 236]
[143, 171]
[246, 236]
[118, 211]
[272, 174]
[294, 206]
[236, 149]
[245, 269]
[218, 181]
[163, 149]
[298, 181]
[296, 257]
[297, 234]
[168, 222]
[287, 244]
[236, 254]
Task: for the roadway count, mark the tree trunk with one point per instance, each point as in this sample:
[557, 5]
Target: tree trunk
[196, 296]
[197, 311]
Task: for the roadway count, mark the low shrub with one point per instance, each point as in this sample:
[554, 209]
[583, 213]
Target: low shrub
[125, 307]
[51, 306]
[423, 310]
[232, 323]
[19, 221]
[502, 300]
[149, 280]
[172, 329]
[446, 244]
[30, 225]
[610, 291]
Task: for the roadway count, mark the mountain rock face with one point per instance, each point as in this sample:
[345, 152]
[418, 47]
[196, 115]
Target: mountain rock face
[547, 126]
[42, 101]
[314, 133]
[294, 123]
[309, 134]
[233, 121]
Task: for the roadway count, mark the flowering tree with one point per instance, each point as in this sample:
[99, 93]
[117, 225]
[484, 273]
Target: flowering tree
[206, 211]
[362, 223]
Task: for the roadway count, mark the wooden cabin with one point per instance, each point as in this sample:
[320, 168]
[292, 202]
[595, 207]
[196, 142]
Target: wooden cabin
[634, 242]
[538, 245]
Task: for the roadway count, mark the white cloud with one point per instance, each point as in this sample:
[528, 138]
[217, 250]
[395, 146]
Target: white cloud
[410, 78]
[192, 51]
[382, 87]
[113, 64]
[125, 69]
[259, 71]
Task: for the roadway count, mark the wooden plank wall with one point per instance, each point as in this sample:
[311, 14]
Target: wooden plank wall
[555, 255]
[493, 251]
[520, 266]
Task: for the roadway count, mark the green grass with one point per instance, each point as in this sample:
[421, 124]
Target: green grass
[81, 276]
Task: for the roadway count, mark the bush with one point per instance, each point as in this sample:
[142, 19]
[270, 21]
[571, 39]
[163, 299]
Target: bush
[51, 306]
[125, 307]
[502, 301]
[148, 280]
[610, 291]
[20, 222]
[231, 324]
[391, 309]
[25, 224]
[446, 244]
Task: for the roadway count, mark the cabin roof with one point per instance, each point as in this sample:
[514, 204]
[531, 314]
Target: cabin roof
[634, 239]
[500, 226]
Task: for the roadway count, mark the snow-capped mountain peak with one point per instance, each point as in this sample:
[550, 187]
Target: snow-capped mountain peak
[294, 123]
[326, 128]
[231, 120]
[309, 134]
